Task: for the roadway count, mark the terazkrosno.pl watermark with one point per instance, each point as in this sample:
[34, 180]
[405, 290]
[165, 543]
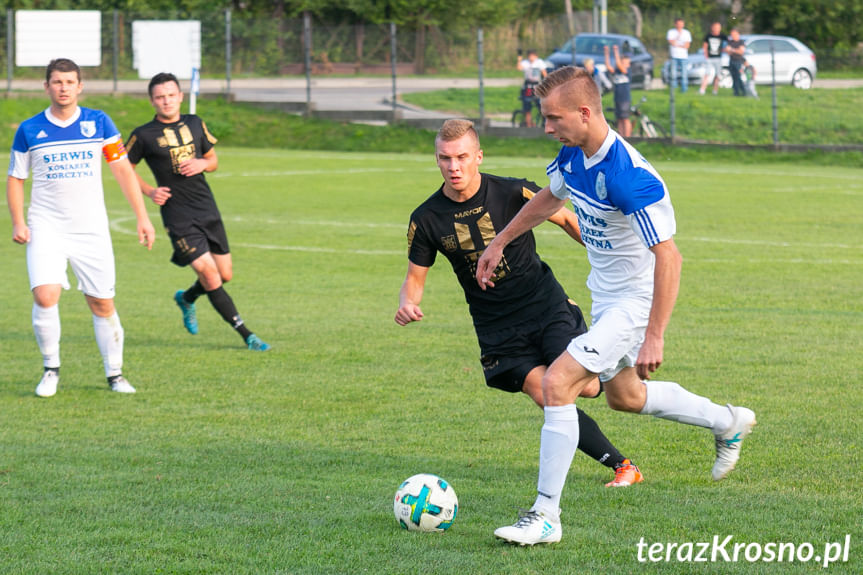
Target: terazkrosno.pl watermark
[729, 551]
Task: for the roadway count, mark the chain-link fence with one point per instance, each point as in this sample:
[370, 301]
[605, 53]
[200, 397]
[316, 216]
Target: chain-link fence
[234, 45]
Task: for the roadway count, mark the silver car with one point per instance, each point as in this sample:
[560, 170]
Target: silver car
[795, 62]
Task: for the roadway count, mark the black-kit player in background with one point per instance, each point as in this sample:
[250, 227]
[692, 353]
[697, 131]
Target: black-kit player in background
[179, 149]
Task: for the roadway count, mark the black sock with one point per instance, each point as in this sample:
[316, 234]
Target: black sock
[194, 292]
[225, 306]
[594, 443]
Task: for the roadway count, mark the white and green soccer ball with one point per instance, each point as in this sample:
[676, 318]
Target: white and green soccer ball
[425, 502]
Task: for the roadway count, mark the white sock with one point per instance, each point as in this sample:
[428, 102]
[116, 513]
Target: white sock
[109, 338]
[668, 400]
[46, 326]
[558, 441]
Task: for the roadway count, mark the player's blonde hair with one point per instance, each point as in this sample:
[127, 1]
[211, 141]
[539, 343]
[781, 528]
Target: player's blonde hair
[577, 85]
[456, 128]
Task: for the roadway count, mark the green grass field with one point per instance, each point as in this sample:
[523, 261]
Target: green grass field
[227, 461]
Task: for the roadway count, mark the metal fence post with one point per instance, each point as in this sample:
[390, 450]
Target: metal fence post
[228, 64]
[393, 46]
[116, 54]
[9, 60]
[307, 58]
[480, 52]
[773, 88]
[671, 111]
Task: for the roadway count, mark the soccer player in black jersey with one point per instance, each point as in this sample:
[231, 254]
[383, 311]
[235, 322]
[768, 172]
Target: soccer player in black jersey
[179, 149]
[527, 320]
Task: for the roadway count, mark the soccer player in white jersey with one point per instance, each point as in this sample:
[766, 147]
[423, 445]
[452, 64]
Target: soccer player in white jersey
[67, 221]
[627, 223]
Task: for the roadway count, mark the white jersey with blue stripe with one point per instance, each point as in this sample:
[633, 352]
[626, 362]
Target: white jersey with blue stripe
[623, 209]
[65, 159]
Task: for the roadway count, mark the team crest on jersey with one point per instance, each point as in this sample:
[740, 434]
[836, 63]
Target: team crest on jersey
[88, 128]
[449, 243]
[601, 191]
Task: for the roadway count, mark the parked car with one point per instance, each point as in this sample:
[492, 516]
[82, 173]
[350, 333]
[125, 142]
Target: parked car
[592, 46]
[795, 62]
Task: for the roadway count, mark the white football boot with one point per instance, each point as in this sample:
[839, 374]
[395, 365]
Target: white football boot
[531, 528]
[120, 385]
[728, 442]
[48, 384]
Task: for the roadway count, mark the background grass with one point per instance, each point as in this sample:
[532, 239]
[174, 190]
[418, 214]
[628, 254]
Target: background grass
[815, 116]
[226, 461]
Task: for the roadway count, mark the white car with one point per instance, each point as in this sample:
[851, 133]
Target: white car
[795, 62]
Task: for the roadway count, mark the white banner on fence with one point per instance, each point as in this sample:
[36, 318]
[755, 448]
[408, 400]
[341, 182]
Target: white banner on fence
[42, 35]
[166, 46]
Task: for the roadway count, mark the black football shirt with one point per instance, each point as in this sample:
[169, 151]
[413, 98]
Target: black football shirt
[164, 147]
[524, 284]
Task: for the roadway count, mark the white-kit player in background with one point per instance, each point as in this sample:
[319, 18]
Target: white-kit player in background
[67, 222]
[627, 224]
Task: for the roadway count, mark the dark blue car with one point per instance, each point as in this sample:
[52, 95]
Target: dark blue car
[593, 46]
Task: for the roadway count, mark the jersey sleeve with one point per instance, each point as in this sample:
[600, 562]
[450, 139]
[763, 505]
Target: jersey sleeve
[135, 148]
[643, 198]
[19, 160]
[112, 142]
[528, 190]
[420, 250]
[209, 141]
[555, 176]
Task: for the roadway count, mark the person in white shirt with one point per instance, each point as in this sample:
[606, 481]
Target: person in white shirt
[534, 69]
[67, 223]
[679, 40]
[627, 223]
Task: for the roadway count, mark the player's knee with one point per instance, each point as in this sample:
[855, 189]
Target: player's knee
[624, 402]
[592, 389]
[101, 307]
[46, 296]
[226, 275]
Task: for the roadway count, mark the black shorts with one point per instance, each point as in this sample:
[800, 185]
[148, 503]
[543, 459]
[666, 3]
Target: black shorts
[622, 110]
[509, 354]
[194, 238]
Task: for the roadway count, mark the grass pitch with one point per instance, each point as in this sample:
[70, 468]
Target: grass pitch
[228, 461]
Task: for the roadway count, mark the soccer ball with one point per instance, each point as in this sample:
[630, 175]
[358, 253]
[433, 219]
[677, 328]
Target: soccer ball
[425, 502]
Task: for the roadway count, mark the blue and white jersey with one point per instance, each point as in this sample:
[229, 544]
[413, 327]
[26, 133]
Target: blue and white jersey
[65, 159]
[623, 209]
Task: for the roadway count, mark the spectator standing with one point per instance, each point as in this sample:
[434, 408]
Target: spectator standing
[679, 40]
[735, 49]
[712, 46]
[534, 69]
[622, 94]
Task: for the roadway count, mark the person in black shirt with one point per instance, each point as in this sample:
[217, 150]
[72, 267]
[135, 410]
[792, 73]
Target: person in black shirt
[736, 50]
[712, 46]
[179, 149]
[527, 320]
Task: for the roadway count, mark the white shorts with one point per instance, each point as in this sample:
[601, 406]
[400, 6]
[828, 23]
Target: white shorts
[90, 255]
[614, 338]
[714, 67]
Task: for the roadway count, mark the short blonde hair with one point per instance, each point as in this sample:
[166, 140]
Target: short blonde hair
[578, 84]
[456, 128]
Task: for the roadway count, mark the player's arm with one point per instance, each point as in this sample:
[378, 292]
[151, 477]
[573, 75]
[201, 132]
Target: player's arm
[128, 180]
[666, 284]
[15, 201]
[159, 194]
[194, 166]
[411, 295]
[606, 52]
[541, 207]
[566, 219]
